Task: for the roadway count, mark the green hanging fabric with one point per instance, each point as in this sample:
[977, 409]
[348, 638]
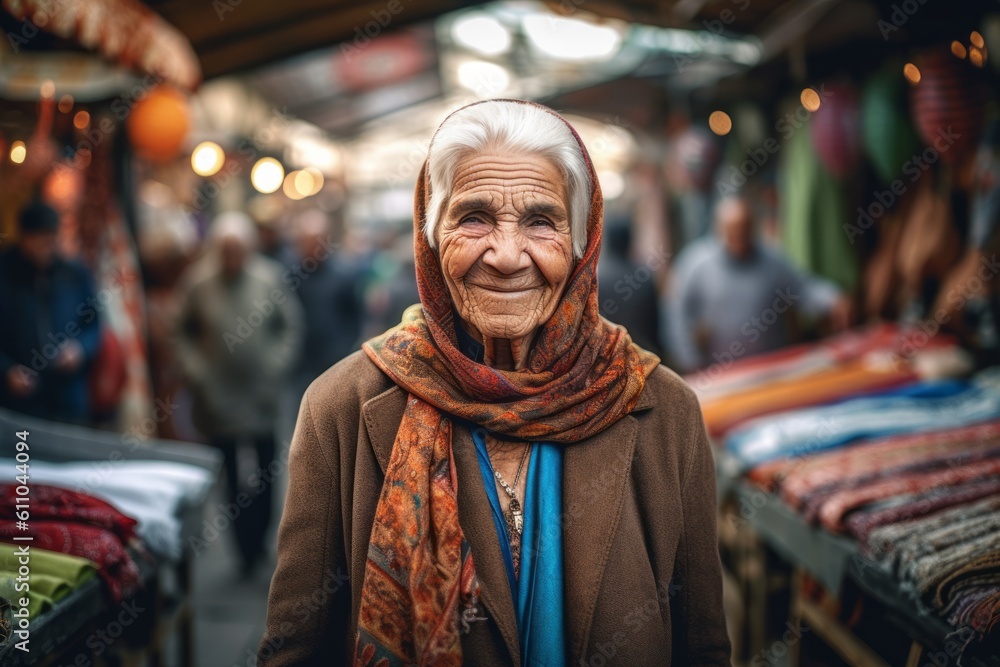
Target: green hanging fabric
[813, 214]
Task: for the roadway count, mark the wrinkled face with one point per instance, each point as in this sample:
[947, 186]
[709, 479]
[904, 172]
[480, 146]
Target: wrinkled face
[504, 242]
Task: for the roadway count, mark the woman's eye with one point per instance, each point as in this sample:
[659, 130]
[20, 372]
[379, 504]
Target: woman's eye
[541, 222]
[471, 219]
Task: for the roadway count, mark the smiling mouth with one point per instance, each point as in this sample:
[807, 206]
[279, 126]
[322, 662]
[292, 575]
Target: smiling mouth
[507, 290]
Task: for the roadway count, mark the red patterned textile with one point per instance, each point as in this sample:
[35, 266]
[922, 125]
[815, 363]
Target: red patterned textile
[869, 460]
[58, 504]
[831, 512]
[583, 374]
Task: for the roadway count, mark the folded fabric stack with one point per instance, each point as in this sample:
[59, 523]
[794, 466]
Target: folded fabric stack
[915, 466]
[53, 577]
[155, 493]
[952, 557]
[850, 436]
[917, 484]
[100, 512]
[73, 523]
[856, 362]
[915, 408]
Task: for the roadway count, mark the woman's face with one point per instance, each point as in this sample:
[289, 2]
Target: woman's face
[505, 245]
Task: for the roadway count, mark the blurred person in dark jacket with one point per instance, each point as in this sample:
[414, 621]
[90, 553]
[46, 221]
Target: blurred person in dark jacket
[392, 286]
[238, 337]
[328, 285]
[272, 241]
[626, 290]
[50, 329]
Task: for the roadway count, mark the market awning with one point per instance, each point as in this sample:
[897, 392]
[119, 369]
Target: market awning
[124, 31]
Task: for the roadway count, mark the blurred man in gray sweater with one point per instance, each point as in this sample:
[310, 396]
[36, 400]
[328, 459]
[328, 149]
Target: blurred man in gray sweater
[732, 297]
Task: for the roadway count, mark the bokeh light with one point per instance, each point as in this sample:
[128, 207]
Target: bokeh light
[267, 175]
[18, 152]
[207, 158]
[720, 123]
[810, 99]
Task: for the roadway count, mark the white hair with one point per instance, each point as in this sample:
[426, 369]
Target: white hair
[234, 225]
[513, 127]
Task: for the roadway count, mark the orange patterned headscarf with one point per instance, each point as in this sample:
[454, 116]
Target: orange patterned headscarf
[582, 374]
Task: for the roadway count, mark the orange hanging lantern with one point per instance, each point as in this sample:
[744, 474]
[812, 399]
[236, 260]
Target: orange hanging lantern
[159, 123]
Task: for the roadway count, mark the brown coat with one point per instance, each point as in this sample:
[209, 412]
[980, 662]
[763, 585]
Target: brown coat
[642, 576]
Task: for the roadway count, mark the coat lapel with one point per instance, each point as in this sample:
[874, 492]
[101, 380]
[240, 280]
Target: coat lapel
[595, 477]
[382, 415]
[477, 524]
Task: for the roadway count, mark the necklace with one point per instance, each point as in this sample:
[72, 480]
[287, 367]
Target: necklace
[514, 516]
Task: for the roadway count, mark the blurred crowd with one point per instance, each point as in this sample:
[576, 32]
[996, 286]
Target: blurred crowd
[263, 304]
[244, 319]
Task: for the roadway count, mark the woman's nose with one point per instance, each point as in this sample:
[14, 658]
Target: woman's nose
[506, 253]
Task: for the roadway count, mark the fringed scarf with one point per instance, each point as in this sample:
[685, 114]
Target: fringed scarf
[582, 374]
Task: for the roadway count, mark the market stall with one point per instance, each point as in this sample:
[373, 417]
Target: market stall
[117, 515]
[867, 469]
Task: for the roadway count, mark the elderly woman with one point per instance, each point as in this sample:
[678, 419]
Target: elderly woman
[504, 478]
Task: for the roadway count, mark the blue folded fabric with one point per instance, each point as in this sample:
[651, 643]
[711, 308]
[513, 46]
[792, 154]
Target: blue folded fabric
[921, 406]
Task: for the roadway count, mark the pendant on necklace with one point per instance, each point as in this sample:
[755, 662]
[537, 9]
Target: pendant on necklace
[515, 511]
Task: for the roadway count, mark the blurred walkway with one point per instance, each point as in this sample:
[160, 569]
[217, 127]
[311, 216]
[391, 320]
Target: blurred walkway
[229, 613]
